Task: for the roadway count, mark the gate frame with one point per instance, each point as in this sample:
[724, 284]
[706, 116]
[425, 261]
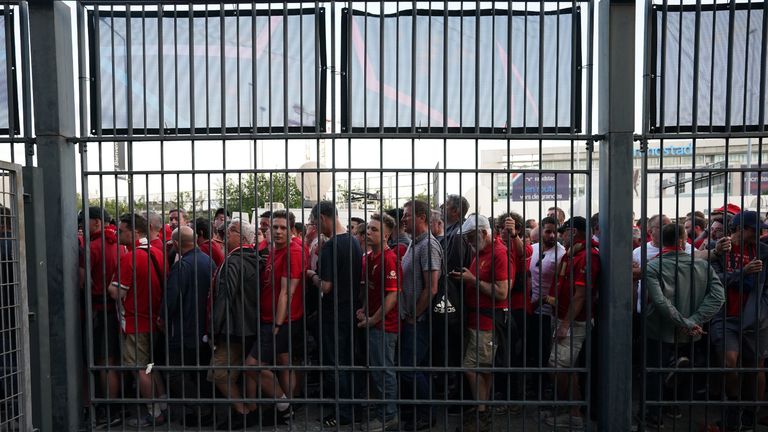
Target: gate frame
[25, 384]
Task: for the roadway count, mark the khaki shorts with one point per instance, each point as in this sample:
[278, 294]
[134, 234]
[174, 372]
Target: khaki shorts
[481, 348]
[137, 349]
[227, 354]
[566, 351]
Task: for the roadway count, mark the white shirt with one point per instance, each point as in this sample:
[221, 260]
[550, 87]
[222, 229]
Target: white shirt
[651, 253]
[543, 273]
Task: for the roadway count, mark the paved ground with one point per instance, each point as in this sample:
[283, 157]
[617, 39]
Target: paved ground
[307, 418]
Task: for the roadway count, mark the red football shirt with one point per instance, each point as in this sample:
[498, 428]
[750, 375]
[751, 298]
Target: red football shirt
[736, 298]
[576, 266]
[212, 249]
[376, 266]
[276, 269]
[104, 254]
[139, 309]
[490, 265]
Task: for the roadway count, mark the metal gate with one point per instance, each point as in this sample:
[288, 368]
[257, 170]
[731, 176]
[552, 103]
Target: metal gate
[15, 405]
[700, 164]
[438, 110]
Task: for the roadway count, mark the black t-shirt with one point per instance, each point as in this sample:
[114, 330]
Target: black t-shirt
[340, 264]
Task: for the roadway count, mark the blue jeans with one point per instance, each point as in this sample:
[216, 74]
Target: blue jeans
[414, 351]
[343, 362]
[382, 353]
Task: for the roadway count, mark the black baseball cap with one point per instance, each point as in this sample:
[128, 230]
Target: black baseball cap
[577, 222]
[750, 219]
[94, 213]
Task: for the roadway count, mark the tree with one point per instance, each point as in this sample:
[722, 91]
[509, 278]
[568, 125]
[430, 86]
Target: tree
[247, 192]
[119, 207]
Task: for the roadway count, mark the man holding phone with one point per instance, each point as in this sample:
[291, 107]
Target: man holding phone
[486, 288]
[739, 333]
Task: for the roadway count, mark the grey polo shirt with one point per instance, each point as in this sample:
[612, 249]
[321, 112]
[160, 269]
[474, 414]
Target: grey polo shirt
[423, 254]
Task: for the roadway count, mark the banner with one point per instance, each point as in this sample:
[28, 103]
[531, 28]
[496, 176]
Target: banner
[491, 69]
[8, 106]
[545, 187]
[719, 103]
[233, 70]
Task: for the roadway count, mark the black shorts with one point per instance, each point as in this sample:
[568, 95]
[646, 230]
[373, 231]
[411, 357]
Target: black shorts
[269, 345]
[297, 340]
[106, 336]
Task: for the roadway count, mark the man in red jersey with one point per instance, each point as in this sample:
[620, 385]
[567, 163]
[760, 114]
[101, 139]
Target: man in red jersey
[104, 250]
[138, 292]
[380, 284]
[577, 277]
[486, 288]
[206, 244]
[281, 312]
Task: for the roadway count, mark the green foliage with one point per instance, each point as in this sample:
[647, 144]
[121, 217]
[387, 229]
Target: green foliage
[118, 207]
[246, 192]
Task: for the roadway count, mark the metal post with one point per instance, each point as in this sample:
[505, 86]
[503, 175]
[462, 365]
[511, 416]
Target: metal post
[616, 122]
[37, 286]
[54, 96]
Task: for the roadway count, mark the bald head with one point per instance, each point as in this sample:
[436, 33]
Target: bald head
[184, 238]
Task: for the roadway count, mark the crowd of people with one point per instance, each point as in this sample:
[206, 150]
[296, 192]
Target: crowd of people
[412, 305]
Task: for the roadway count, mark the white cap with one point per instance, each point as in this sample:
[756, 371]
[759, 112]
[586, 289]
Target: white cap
[476, 222]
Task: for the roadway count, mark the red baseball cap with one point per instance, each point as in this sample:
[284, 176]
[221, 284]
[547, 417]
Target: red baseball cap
[732, 209]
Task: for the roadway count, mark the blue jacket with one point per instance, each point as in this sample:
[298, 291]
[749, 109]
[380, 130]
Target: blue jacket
[183, 308]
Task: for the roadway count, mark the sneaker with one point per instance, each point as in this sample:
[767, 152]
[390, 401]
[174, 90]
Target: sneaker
[486, 424]
[747, 421]
[673, 412]
[376, 425]
[108, 416]
[653, 422]
[147, 420]
[543, 413]
[680, 362]
[566, 421]
[455, 410]
[420, 425]
[283, 417]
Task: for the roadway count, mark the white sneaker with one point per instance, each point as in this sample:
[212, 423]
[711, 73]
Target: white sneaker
[566, 421]
[376, 425]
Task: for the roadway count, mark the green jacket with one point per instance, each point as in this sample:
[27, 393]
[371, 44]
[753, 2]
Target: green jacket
[682, 291]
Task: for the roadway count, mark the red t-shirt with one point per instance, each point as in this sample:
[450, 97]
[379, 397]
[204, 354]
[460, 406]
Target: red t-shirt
[276, 269]
[490, 265]
[518, 299]
[212, 249]
[373, 264]
[103, 266]
[736, 299]
[144, 293]
[576, 265]
[159, 243]
[400, 249]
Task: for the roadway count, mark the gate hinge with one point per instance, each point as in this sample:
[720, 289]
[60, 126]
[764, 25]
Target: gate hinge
[643, 145]
[32, 316]
[27, 197]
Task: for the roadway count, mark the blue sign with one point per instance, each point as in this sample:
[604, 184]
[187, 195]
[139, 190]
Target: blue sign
[547, 186]
[669, 150]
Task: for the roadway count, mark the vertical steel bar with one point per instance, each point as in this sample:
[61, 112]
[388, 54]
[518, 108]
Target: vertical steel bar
[616, 120]
[50, 22]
